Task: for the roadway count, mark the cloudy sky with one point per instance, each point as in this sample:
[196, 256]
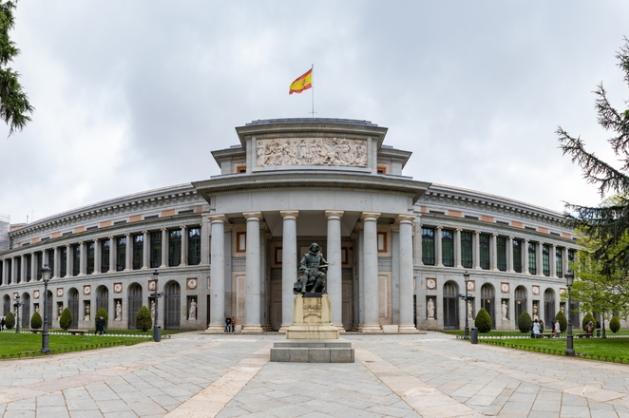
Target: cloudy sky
[133, 95]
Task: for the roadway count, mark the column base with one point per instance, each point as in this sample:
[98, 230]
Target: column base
[283, 328]
[252, 329]
[340, 327]
[370, 329]
[408, 329]
[215, 329]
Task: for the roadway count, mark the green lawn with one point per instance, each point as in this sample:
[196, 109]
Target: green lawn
[27, 344]
[495, 333]
[609, 349]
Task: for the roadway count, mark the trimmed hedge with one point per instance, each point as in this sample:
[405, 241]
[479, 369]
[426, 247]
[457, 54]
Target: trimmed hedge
[614, 324]
[66, 319]
[143, 319]
[10, 320]
[483, 321]
[36, 321]
[524, 322]
[563, 323]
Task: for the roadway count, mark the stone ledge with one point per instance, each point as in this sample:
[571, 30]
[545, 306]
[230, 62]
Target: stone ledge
[312, 352]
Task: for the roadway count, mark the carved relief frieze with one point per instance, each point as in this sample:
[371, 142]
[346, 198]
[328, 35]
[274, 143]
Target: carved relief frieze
[311, 151]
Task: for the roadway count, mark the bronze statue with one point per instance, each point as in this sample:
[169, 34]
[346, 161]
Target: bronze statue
[312, 269]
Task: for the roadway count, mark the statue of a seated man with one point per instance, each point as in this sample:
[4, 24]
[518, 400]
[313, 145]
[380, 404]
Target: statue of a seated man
[312, 269]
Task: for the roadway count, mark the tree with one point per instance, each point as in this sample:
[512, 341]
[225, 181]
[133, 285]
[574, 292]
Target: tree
[563, 323]
[10, 320]
[65, 321]
[14, 105]
[524, 322]
[608, 223]
[614, 324]
[102, 312]
[36, 321]
[483, 321]
[143, 319]
[587, 318]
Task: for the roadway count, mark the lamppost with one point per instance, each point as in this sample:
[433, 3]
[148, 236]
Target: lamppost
[17, 305]
[569, 337]
[44, 336]
[156, 334]
[466, 278]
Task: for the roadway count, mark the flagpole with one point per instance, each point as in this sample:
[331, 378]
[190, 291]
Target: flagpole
[312, 84]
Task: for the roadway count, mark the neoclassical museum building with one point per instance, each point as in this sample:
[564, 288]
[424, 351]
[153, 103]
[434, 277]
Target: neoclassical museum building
[399, 250]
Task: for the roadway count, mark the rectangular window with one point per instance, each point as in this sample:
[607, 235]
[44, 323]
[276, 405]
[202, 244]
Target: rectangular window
[28, 267]
[546, 259]
[121, 253]
[76, 260]
[517, 255]
[194, 246]
[467, 257]
[428, 246]
[50, 255]
[138, 250]
[447, 247]
[38, 265]
[532, 258]
[484, 251]
[105, 248]
[155, 240]
[559, 262]
[18, 269]
[174, 247]
[90, 248]
[63, 262]
[501, 253]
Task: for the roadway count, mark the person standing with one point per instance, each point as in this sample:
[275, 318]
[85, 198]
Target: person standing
[557, 329]
[536, 329]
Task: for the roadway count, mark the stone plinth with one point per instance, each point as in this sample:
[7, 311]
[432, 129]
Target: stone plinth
[312, 319]
[313, 352]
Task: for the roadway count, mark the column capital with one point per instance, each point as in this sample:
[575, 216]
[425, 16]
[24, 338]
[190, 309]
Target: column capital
[217, 219]
[252, 215]
[289, 214]
[405, 218]
[370, 216]
[183, 227]
[334, 214]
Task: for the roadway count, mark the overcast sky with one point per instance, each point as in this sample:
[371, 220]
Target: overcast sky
[133, 95]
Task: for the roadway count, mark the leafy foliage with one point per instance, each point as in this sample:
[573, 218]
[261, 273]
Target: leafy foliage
[102, 312]
[65, 321]
[483, 321]
[524, 322]
[14, 105]
[36, 321]
[10, 320]
[563, 322]
[143, 319]
[614, 324]
[586, 319]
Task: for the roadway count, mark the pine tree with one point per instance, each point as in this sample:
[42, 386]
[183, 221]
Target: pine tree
[609, 222]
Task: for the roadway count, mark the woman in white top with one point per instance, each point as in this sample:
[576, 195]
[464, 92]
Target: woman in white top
[557, 329]
[536, 329]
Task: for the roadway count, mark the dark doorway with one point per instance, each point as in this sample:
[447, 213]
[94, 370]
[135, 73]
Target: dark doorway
[451, 305]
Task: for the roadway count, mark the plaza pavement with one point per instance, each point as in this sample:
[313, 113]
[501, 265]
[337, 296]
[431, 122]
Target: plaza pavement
[195, 375]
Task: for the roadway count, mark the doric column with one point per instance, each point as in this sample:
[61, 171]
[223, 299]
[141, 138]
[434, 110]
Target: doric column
[493, 252]
[289, 265]
[164, 247]
[14, 277]
[564, 260]
[57, 263]
[370, 271]
[407, 287]
[418, 243]
[205, 240]
[128, 259]
[44, 258]
[217, 275]
[23, 268]
[438, 252]
[525, 256]
[145, 251]
[98, 255]
[252, 294]
[510, 254]
[5, 280]
[69, 257]
[184, 245]
[112, 254]
[552, 261]
[83, 258]
[334, 275]
[457, 248]
[539, 258]
[476, 249]
[33, 266]
[361, 275]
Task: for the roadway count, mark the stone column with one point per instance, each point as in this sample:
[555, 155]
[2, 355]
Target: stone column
[184, 246]
[252, 294]
[34, 266]
[476, 249]
[552, 261]
[164, 247]
[289, 265]
[525, 256]
[82, 260]
[493, 252]
[407, 287]
[23, 268]
[418, 243]
[564, 260]
[14, 277]
[128, 259]
[146, 251]
[438, 258]
[457, 248]
[335, 271]
[217, 275]
[538, 258]
[112, 254]
[57, 269]
[510, 254]
[68, 263]
[97, 257]
[370, 272]
[4, 272]
[205, 240]
[361, 276]
[44, 258]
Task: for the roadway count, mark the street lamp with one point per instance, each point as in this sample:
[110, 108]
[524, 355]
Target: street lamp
[156, 295]
[466, 278]
[44, 336]
[569, 337]
[17, 305]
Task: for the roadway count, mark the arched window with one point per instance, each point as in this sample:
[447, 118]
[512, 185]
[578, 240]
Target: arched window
[549, 306]
[172, 305]
[488, 301]
[520, 302]
[26, 310]
[134, 303]
[73, 305]
[451, 305]
[6, 306]
[102, 300]
[49, 306]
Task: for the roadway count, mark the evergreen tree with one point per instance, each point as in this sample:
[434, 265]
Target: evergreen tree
[563, 322]
[483, 321]
[608, 223]
[65, 321]
[143, 319]
[36, 321]
[10, 320]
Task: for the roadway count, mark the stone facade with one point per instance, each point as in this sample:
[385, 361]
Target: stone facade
[229, 245]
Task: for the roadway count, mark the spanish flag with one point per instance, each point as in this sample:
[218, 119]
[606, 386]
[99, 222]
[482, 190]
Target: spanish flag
[301, 83]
